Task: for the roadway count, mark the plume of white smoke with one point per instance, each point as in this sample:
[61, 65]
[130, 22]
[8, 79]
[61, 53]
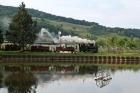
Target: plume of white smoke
[74, 39]
[44, 33]
[5, 22]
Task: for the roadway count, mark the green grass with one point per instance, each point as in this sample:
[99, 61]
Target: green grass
[70, 25]
[80, 29]
[65, 54]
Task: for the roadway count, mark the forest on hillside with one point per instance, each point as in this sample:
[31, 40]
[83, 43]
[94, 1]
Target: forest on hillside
[94, 28]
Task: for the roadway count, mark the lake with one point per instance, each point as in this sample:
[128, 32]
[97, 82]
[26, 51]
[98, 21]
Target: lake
[70, 79]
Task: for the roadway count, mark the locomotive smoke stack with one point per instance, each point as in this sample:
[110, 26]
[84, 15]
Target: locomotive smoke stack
[59, 33]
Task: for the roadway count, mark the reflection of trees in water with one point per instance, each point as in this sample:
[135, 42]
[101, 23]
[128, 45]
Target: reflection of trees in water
[134, 68]
[88, 69]
[21, 82]
[1, 77]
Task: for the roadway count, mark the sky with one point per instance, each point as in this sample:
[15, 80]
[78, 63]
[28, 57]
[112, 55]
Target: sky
[109, 13]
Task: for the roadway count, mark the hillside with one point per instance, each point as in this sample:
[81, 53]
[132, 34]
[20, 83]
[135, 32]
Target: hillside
[69, 26]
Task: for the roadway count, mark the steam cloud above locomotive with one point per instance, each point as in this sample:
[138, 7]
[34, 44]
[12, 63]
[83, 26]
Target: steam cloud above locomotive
[46, 35]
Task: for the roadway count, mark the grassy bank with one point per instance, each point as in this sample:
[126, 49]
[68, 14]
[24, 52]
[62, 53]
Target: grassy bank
[64, 54]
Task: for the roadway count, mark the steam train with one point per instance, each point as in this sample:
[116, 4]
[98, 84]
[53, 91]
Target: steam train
[84, 47]
[88, 48]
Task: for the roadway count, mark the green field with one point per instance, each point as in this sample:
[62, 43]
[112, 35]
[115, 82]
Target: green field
[65, 54]
[81, 30]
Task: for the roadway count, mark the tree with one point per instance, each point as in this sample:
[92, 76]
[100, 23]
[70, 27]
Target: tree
[1, 36]
[101, 42]
[21, 82]
[111, 41]
[122, 42]
[130, 43]
[22, 29]
[136, 42]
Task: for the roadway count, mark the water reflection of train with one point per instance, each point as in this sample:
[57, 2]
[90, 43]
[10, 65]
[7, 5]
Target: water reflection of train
[53, 47]
[102, 77]
[57, 69]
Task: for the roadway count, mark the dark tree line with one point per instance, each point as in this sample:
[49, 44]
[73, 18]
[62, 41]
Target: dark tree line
[36, 13]
[114, 42]
[40, 14]
[102, 30]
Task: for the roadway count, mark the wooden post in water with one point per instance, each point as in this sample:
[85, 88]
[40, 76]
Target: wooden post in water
[122, 60]
[109, 59]
[137, 60]
[104, 59]
[127, 60]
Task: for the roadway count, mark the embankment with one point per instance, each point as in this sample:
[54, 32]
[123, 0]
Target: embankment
[69, 59]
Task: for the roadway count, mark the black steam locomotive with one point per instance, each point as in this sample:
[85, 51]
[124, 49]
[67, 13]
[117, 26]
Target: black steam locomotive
[89, 48]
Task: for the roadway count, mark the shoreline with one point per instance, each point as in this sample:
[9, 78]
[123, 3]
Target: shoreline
[69, 59]
[28, 53]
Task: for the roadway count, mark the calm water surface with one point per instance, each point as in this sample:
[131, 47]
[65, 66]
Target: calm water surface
[71, 79]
